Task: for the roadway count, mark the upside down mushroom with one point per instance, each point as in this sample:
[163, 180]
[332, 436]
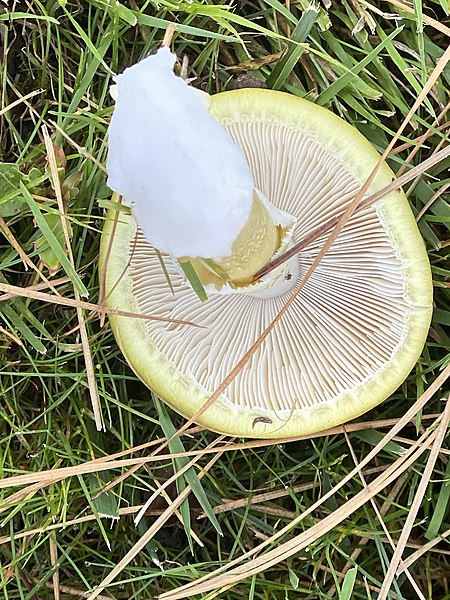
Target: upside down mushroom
[227, 183]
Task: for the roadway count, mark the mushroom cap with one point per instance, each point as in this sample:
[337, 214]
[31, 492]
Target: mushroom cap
[352, 334]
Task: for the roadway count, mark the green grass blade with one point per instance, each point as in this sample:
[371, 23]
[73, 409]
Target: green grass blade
[348, 584]
[176, 446]
[159, 23]
[123, 12]
[296, 48]
[440, 315]
[26, 313]
[165, 271]
[52, 241]
[86, 80]
[372, 437]
[12, 16]
[440, 512]
[217, 12]
[95, 52]
[405, 68]
[445, 6]
[344, 80]
[194, 279]
[281, 8]
[22, 329]
[105, 504]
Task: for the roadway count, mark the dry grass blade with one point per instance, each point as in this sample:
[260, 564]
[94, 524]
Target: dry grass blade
[421, 551]
[413, 173]
[90, 371]
[409, 416]
[102, 275]
[428, 20]
[422, 139]
[53, 562]
[11, 336]
[416, 545]
[28, 492]
[421, 489]
[444, 452]
[441, 64]
[67, 589]
[63, 473]
[23, 255]
[43, 478]
[383, 511]
[433, 199]
[415, 182]
[129, 510]
[399, 182]
[20, 100]
[293, 546]
[40, 286]
[83, 151]
[31, 292]
[168, 35]
[379, 515]
[166, 484]
[112, 484]
[148, 535]
[176, 512]
[256, 499]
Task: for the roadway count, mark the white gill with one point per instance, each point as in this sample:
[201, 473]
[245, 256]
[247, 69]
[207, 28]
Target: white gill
[345, 324]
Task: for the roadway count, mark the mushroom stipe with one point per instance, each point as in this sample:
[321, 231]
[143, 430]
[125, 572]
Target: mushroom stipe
[352, 334]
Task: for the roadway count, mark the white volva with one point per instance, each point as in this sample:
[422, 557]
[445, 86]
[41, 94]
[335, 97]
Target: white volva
[188, 183]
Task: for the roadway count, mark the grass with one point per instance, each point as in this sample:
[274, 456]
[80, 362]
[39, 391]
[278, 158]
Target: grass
[295, 519]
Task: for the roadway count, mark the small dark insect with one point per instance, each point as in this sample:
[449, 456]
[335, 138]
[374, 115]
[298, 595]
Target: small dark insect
[261, 420]
[288, 277]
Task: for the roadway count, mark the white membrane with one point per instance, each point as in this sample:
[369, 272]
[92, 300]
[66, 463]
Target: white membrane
[188, 184]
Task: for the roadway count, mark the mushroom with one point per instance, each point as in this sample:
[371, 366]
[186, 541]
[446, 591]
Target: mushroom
[352, 334]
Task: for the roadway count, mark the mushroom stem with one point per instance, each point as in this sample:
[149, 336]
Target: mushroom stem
[267, 234]
[256, 243]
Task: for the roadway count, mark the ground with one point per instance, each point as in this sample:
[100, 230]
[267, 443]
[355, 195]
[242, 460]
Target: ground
[296, 516]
